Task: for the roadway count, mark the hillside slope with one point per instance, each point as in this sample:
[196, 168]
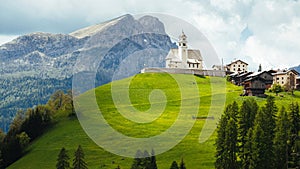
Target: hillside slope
[68, 133]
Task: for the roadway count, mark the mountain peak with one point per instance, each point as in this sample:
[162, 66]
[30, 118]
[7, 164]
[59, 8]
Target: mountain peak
[91, 30]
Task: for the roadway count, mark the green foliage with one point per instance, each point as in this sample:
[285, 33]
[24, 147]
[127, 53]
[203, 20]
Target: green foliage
[226, 143]
[246, 118]
[182, 164]
[24, 139]
[78, 162]
[1, 161]
[294, 140]
[281, 140]
[153, 164]
[174, 165]
[277, 88]
[63, 160]
[258, 158]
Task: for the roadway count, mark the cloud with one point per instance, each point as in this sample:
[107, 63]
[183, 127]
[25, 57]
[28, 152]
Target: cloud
[273, 29]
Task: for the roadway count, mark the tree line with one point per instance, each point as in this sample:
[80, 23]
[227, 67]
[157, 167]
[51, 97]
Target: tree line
[78, 161]
[253, 137]
[30, 124]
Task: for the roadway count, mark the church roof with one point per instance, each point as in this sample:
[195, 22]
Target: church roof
[173, 55]
[194, 54]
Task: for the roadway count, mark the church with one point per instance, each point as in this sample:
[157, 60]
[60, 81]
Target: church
[183, 57]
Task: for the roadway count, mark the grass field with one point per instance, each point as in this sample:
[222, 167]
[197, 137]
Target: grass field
[67, 132]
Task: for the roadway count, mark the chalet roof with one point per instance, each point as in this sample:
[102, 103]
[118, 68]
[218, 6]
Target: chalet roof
[256, 75]
[236, 62]
[285, 72]
[245, 74]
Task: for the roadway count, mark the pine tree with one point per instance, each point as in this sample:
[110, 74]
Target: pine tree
[182, 165]
[146, 160]
[174, 165]
[226, 142]
[231, 147]
[245, 163]
[63, 160]
[138, 161]
[78, 161]
[153, 160]
[262, 140]
[281, 140]
[258, 148]
[220, 141]
[246, 118]
[294, 140]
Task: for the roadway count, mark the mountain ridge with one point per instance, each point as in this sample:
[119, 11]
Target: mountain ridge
[36, 57]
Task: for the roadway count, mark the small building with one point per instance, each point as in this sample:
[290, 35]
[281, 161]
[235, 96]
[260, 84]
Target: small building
[256, 83]
[183, 57]
[237, 66]
[219, 67]
[238, 79]
[286, 78]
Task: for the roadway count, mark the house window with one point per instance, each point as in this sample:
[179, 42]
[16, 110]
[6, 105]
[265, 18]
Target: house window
[239, 65]
[233, 69]
[233, 65]
[277, 78]
[282, 78]
[243, 65]
[282, 82]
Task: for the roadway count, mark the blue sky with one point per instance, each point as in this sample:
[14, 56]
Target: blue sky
[259, 32]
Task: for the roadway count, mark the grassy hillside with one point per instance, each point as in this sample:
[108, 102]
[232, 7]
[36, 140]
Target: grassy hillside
[68, 133]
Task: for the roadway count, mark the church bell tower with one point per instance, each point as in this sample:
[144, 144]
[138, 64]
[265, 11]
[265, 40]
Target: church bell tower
[182, 49]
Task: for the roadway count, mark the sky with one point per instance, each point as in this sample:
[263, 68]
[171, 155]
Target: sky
[265, 32]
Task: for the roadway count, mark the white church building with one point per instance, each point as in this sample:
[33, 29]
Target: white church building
[183, 57]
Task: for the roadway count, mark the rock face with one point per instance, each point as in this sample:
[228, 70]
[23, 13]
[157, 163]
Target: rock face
[33, 66]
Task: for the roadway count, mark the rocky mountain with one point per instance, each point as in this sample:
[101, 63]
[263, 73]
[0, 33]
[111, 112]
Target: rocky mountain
[33, 66]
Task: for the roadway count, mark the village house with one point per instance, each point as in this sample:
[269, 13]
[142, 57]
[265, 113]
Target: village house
[183, 57]
[256, 83]
[237, 66]
[286, 78]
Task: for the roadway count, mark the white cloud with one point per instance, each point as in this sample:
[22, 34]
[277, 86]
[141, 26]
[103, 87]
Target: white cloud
[274, 24]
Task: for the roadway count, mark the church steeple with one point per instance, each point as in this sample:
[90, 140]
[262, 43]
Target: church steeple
[182, 40]
[183, 49]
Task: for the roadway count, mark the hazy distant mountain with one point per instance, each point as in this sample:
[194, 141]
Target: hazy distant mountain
[297, 68]
[33, 66]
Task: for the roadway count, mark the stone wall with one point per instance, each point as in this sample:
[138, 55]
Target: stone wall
[217, 73]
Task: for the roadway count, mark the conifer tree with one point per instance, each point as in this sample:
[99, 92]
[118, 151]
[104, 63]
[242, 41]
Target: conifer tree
[220, 141]
[226, 142]
[146, 160]
[63, 159]
[245, 163]
[262, 140]
[153, 160]
[246, 118]
[294, 139]
[281, 140]
[231, 147]
[258, 148]
[174, 165]
[138, 161]
[182, 165]
[78, 162]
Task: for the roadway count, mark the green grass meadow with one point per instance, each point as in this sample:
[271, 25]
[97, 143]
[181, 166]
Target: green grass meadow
[67, 131]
